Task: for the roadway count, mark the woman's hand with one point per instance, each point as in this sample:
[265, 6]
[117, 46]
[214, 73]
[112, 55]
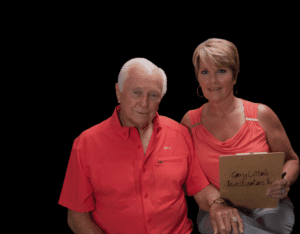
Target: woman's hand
[224, 219]
[280, 189]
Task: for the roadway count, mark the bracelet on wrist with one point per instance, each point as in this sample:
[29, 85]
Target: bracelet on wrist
[218, 201]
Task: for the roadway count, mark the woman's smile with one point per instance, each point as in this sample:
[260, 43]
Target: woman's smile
[214, 89]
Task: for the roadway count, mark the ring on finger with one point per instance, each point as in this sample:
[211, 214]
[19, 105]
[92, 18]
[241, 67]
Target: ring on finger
[234, 219]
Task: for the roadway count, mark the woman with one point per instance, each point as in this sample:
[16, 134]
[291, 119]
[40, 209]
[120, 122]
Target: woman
[227, 125]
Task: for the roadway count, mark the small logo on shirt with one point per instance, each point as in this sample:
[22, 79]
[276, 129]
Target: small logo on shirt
[167, 148]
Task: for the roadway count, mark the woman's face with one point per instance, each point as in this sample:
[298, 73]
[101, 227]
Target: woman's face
[216, 82]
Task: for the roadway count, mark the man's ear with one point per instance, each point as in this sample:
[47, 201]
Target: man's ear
[118, 93]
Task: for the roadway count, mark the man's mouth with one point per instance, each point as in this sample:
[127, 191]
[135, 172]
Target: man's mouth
[141, 113]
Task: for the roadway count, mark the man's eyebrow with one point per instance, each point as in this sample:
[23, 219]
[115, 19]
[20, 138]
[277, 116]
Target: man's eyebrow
[137, 88]
[140, 88]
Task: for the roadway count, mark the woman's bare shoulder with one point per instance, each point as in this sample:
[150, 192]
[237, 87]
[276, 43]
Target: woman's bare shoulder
[186, 121]
[267, 118]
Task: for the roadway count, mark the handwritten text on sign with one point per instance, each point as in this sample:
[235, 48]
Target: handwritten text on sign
[250, 178]
[245, 179]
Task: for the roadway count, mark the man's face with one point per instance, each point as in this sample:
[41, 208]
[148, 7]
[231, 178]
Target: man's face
[141, 96]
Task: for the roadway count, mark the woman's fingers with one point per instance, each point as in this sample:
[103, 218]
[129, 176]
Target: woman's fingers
[226, 219]
[236, 221]
[234, 225]
[279, 194]
[279, 190]
[239, 221]
[215, 227]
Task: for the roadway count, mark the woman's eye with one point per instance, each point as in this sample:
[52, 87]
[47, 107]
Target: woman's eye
[222, 71]
[204, 72]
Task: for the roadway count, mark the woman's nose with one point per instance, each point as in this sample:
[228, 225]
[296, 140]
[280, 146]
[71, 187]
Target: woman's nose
[214, 77]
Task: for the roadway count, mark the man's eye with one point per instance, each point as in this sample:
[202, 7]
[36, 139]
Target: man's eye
[153, 96]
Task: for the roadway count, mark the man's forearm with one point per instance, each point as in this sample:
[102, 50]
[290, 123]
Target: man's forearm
[82, 223]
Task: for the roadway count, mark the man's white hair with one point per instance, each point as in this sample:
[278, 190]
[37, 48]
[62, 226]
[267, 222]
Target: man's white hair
[144, 62]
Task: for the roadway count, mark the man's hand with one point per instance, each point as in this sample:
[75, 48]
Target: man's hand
[222, 218]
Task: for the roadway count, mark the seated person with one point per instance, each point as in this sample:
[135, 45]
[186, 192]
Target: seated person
[130, 173]
[227, 125]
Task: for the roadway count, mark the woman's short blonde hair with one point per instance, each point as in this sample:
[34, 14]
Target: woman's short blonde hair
[220, 52]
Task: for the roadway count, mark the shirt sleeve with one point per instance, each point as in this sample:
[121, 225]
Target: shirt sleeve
[77, 192]
[196, 179]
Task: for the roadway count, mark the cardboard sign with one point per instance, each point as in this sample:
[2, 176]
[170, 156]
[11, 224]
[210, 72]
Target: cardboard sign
[245, 178]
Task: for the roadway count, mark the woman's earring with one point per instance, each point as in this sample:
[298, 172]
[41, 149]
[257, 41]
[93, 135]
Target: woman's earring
[198, 92]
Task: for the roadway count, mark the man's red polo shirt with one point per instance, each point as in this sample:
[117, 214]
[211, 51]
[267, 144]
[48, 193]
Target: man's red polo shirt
[127, 191]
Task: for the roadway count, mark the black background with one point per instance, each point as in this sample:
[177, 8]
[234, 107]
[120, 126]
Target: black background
[80, 56]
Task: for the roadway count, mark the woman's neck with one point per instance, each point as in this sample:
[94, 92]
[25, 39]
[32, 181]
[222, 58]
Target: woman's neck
[224, 107]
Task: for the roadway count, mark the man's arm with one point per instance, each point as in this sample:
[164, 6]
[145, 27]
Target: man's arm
[82, 223]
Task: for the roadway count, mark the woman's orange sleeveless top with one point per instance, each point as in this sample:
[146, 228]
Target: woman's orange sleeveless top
[250, 138]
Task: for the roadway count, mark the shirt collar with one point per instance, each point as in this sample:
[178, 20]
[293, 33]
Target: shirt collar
[124, 132]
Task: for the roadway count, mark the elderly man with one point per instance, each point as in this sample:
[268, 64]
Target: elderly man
[130, 173]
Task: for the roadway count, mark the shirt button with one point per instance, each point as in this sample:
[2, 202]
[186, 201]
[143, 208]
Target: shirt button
[149, 220]
[139, 146]
[146, 195]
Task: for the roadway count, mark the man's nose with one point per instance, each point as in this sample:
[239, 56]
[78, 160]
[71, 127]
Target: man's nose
[144, 101]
